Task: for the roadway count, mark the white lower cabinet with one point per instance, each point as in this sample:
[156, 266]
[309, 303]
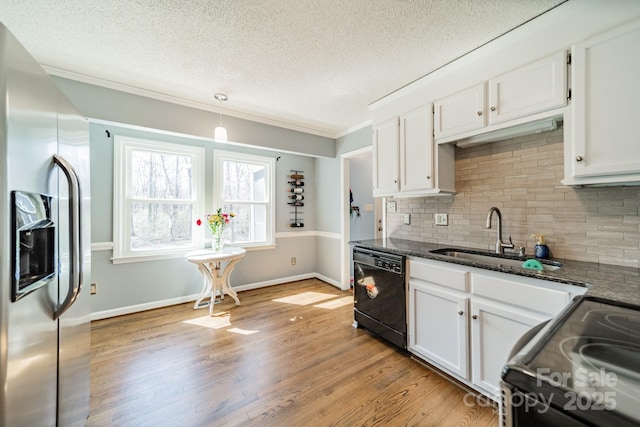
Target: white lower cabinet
[495, 328]
[466, 320]
[440, 330]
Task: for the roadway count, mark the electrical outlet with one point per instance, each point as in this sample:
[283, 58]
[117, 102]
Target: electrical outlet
[94, 288]
[441, 219]
[293, 260]
[407, 219]
[392, 207]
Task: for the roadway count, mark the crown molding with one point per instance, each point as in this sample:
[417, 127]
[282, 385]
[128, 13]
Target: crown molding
[291, 125]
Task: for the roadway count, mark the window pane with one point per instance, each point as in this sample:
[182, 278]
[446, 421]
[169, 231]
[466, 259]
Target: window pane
[160, 226]
[249, 225]
[160, 176]
[244, 181]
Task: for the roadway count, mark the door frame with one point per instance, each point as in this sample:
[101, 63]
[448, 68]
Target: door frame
[345, 224]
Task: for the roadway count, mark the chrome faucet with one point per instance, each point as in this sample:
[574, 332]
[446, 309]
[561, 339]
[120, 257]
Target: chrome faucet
[500, 245]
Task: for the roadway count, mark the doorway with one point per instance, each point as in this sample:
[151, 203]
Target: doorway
[362, 216]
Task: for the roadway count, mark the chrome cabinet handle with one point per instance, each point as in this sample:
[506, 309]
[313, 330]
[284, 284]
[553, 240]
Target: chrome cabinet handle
[493, 108]
[479, 113]
[474, 317]
[461, 312]
[75, 235]
[579, 159]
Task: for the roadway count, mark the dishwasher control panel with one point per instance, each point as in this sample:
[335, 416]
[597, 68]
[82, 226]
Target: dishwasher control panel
[390, 265]
[380, 260]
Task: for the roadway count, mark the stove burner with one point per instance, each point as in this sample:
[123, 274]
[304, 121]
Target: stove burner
[586, 364]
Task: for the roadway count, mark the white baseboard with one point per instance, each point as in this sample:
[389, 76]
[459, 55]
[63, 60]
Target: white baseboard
[328, 280]
[181, 300]
[141, 307]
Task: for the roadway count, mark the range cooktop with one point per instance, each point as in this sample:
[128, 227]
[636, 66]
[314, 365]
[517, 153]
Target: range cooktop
[587, 361]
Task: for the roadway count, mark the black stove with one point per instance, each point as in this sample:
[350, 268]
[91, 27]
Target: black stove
[583, 368]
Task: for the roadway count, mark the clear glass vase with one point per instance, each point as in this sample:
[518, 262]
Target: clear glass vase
[217, 243]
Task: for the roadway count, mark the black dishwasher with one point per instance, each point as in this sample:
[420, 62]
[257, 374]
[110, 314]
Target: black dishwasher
[380, 294]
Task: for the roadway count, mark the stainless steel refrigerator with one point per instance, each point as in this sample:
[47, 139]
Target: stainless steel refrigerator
[45, 253]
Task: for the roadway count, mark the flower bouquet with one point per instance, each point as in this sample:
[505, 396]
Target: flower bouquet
[217, 222]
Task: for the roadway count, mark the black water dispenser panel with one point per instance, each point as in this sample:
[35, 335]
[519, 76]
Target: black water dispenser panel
[33, 242]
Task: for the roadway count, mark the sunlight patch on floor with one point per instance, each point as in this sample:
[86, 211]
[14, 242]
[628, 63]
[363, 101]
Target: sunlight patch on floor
[242, 331]
[335, 303]
[305, 298]
[216, 321]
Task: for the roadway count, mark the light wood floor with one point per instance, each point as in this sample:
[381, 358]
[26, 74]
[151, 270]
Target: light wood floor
[287, 356]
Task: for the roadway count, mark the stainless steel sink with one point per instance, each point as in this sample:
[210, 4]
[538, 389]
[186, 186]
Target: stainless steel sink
[493, 258]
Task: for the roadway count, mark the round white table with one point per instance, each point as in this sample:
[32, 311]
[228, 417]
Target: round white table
[216, 278]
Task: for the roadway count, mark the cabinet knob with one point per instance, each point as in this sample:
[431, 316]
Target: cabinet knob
[428, 177]
[493, 108]
[461, 312]
[579, 158]
[479, 113]
[474, 317]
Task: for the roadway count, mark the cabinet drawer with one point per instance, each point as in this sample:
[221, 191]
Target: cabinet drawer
[434, 272]
[533, 297]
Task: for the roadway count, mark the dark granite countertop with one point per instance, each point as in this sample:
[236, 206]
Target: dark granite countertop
[602, 280]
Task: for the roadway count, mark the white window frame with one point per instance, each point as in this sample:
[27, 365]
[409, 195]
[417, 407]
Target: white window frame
[219, 156]
[123, 148]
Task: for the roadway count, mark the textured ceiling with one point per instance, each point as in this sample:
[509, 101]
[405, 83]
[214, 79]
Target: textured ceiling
[313, 65]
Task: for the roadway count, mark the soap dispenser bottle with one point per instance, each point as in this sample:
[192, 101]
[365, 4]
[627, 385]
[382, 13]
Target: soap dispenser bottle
[541, 250]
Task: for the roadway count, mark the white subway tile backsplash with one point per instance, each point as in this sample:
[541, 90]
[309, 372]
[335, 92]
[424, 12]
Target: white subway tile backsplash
[522, 178]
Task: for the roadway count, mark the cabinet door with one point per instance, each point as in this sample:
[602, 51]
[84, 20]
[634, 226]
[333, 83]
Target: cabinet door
[605, 98]
[385, 158]
[461, 112]
[495, 329]
[533, 88]
[416, 150]
[438, 327]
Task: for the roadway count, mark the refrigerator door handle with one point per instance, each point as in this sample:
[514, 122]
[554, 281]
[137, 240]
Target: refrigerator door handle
[75, 237]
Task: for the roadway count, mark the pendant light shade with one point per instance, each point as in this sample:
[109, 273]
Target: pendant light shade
[220, 133]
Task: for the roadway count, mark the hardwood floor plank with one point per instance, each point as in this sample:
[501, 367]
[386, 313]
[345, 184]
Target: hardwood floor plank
[287, 356]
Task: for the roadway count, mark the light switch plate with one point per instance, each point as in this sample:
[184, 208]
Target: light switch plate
[407, 219]
[441, 219]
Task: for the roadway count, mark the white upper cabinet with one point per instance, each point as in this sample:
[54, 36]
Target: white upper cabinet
[515, 97]
[406, 160]
[416, 150]
[461, 112]
[604, 142]
[536, 87]
[385, 158]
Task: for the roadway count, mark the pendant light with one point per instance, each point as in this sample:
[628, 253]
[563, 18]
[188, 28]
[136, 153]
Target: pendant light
[220, 133]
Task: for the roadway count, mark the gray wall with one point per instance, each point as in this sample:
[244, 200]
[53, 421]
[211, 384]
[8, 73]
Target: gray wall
[328, 199]
[120, 107]
[355, 140]
[139, 285]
